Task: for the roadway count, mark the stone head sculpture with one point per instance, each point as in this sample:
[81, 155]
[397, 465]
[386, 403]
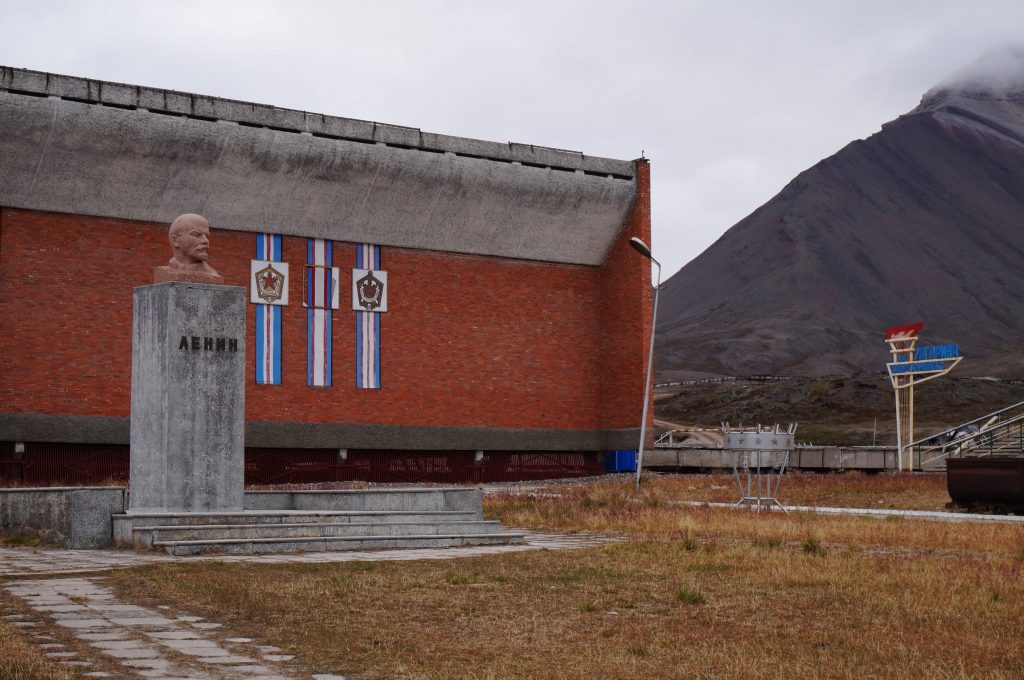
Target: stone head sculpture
[190, 240]
[189, 237]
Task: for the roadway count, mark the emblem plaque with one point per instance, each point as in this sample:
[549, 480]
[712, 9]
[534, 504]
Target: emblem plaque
[268, 282]
[369, 290]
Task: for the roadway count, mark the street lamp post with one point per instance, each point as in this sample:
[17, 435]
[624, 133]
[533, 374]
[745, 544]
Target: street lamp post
[642, 248]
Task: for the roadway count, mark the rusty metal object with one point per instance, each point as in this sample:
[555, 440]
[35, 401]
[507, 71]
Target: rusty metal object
[988, 480]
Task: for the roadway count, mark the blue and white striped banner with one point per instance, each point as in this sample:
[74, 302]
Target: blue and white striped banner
[321, 297]
[268, 320]
[367, 327]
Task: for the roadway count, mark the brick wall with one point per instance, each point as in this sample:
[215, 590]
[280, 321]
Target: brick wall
[625, 306]
[467, 341]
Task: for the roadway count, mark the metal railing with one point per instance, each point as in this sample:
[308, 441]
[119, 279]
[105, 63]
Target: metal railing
[673, 439]
[999, 432]
[665, 440]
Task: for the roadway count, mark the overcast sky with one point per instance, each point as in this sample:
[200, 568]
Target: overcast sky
[729, 100]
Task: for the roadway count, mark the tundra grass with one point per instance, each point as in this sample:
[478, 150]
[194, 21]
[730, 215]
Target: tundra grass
[21, 659]
[692, 592]
[884, 490]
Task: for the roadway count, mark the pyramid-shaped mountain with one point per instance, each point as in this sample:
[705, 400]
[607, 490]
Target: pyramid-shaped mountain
[922, 221]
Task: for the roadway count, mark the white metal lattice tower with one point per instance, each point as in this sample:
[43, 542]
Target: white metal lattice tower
[912, 365]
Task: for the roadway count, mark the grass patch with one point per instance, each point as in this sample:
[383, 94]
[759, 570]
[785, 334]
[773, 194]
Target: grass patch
[20, 659]
[19, 539]
[770, 542]
[457, 579]
[812, 546]
[689, 596]
[689, 541]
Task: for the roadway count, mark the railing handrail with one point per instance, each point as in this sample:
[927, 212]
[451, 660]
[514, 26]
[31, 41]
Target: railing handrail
[993, 435]
[989, 432]
[970, 422]
[983, 451]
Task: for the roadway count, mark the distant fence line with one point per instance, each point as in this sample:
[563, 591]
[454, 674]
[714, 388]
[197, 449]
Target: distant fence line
[733, 378]
[761, 378]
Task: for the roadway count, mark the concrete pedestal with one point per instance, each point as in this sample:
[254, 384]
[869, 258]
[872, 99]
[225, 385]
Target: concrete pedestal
[188, 398]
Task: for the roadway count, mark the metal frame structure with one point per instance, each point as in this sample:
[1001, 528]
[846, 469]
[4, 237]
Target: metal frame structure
[906, 371]
[759, 460]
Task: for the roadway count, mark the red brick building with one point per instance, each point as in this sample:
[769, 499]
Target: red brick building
[513, 344]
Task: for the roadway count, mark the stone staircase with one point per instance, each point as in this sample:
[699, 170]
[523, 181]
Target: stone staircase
[299, 521]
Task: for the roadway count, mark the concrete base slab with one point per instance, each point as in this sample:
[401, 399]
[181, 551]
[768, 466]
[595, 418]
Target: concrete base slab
[320, 521]
[321, 544]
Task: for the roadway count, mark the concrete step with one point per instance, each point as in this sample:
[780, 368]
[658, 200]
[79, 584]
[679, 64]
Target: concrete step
[332, 543]
[124, 524]
[145, 536]
[293, 516]
[298, 521]
[427, 498]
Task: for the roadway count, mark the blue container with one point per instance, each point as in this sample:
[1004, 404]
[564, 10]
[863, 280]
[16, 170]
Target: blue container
[620, 461]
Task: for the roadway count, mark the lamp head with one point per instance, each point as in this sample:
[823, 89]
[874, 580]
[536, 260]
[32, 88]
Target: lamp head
[640, 247]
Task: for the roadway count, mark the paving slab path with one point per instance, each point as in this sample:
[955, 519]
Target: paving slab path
[165, 644]
[23, 561]
[143, 642]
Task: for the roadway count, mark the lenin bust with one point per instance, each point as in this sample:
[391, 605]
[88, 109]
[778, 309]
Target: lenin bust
[189, 236]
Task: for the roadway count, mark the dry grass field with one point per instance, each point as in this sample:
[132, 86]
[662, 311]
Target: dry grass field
[693, 592]
[20, 659]
[844, 490]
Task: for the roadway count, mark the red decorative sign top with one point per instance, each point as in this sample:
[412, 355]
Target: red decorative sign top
[904, 332]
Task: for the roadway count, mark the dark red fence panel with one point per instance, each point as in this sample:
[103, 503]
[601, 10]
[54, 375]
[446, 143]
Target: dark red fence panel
[444, 467]
[47, 464]
[44, 464]
[290, 466]
[11, 465]
[514, 466]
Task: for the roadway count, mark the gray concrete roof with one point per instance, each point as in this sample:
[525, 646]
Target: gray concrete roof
[97, 148]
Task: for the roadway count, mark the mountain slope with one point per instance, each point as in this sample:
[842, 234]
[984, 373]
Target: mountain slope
[922, 221]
